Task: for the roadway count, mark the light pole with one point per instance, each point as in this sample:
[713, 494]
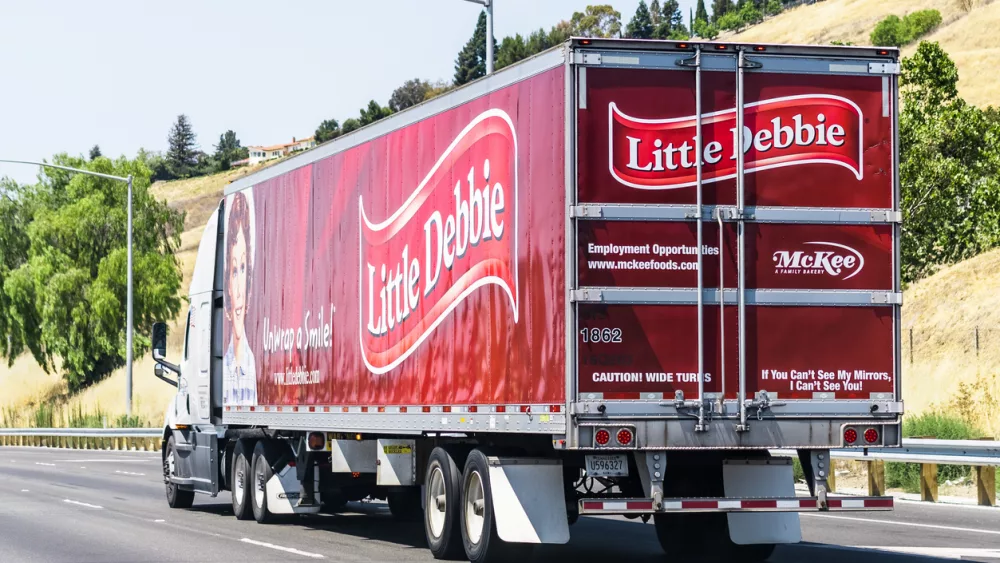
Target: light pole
[128, 334]
[488, 4]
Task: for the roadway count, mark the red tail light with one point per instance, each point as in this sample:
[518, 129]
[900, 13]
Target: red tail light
[602, 437]
[624, 436]
[850, 436]
[871, 435]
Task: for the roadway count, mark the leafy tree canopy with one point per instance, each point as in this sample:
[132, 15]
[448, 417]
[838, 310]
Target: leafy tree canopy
[411, 93]
[597, 21]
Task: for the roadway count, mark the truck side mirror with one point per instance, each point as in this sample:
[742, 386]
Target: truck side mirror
[159, 340]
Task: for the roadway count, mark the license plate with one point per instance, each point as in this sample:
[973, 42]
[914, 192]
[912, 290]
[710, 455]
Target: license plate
[607, 465]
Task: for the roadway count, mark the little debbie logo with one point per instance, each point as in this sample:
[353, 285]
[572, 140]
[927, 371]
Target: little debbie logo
[456, 232]
[820, 258]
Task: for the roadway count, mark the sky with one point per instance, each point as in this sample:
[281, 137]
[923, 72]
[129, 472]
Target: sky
[117, 73]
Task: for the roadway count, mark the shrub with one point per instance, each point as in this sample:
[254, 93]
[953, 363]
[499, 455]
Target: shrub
[773, 7]
[920, 23]
[705, 30]
[730, 21]
[937, 425]
[888, 33]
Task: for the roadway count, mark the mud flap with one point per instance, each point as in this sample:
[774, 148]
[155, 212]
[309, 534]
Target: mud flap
[760, 478]
[283, 493]
[529, 502]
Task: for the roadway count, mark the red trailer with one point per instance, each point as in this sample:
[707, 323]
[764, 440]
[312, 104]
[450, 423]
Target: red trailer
[605, 280]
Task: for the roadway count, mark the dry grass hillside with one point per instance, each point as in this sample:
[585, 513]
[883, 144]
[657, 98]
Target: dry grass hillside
[970, 38]
[953, 321]
[24, 385]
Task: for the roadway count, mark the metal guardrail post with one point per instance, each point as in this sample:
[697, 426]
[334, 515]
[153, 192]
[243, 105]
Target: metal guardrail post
[876, 478]
[928, 482]
[986, 485]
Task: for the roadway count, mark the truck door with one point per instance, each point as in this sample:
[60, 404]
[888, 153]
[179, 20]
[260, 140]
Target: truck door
[764, 280]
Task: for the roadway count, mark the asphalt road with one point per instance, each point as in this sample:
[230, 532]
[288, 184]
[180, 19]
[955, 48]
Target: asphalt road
[85, 506]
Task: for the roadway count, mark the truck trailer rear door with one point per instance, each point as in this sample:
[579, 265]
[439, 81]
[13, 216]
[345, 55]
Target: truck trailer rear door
[794, 310]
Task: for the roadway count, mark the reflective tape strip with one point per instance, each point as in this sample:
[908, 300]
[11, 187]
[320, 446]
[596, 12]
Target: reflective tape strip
[737, 505]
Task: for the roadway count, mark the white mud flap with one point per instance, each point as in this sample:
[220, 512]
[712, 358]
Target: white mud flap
[528, 500]
[761, 479]
[283, 493]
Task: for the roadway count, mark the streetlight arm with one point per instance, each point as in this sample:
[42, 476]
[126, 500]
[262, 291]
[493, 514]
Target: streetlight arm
[69, 168]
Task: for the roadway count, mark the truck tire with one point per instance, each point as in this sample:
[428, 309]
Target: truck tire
[479, 531]
[240, 481]
[442, 496]
[405, 505]
[264, 457]
[176, 497]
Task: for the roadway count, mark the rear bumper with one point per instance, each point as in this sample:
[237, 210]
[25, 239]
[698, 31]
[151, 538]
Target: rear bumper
[690, 505]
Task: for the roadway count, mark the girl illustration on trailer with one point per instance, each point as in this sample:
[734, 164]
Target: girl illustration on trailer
[239, 366]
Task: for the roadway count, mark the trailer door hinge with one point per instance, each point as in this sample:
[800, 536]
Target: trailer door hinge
[584, 58]
[587, 295]
[883, 68]
[886, 216]
[585, 211]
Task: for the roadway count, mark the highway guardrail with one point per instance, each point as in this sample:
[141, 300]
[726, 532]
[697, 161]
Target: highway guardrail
[982, 455]
[140, 439]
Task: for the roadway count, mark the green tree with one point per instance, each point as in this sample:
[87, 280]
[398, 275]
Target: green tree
[654, 12]
[889, 33]
[411, 93]
[373, 113]
[719, 9]
[328, 129]
[920, 23]
[600, 20]
[641, 24]
[730, 21]
[436, 89]
[750, 15]
[700, 12]
[349, 125]
[512, 50]
[949, 167]
[228, 150]
[773, 7]
[705, 30]
[64, 292]
[471, 61]
[95, 152]
[182, 151]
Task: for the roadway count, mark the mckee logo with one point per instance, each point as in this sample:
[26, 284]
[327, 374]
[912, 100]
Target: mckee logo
[829, 258]
[659, 154]
[455, 233]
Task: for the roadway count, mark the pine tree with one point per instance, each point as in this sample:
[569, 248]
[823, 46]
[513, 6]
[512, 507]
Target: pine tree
[95, 152]
[182, 154]
[654, 12]
[719, 8]
[471, 61]
[641, 24]
[701, 13]
[671, 21]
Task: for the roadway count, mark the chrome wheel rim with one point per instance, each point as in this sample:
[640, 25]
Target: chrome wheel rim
[437, 502]
[474, 507]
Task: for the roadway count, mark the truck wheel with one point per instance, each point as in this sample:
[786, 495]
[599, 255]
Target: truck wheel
[405, 505]
[441, 499]
[241, 479]
[176, 497]
[479, 530]
[264, 457]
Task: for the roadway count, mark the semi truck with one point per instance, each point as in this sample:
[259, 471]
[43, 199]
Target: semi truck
[610, 279]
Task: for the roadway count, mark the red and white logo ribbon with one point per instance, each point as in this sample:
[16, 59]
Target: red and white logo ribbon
[455, 233]
[659, 154]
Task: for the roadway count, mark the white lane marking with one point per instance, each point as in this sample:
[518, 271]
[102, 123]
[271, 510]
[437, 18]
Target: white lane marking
[83, 467]
[282, 548]
[130, 473]
[910, 524]
[45, 464]
[942, 552]
[78, 503]
[160, 520]
[121, 460]
[25, 491]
